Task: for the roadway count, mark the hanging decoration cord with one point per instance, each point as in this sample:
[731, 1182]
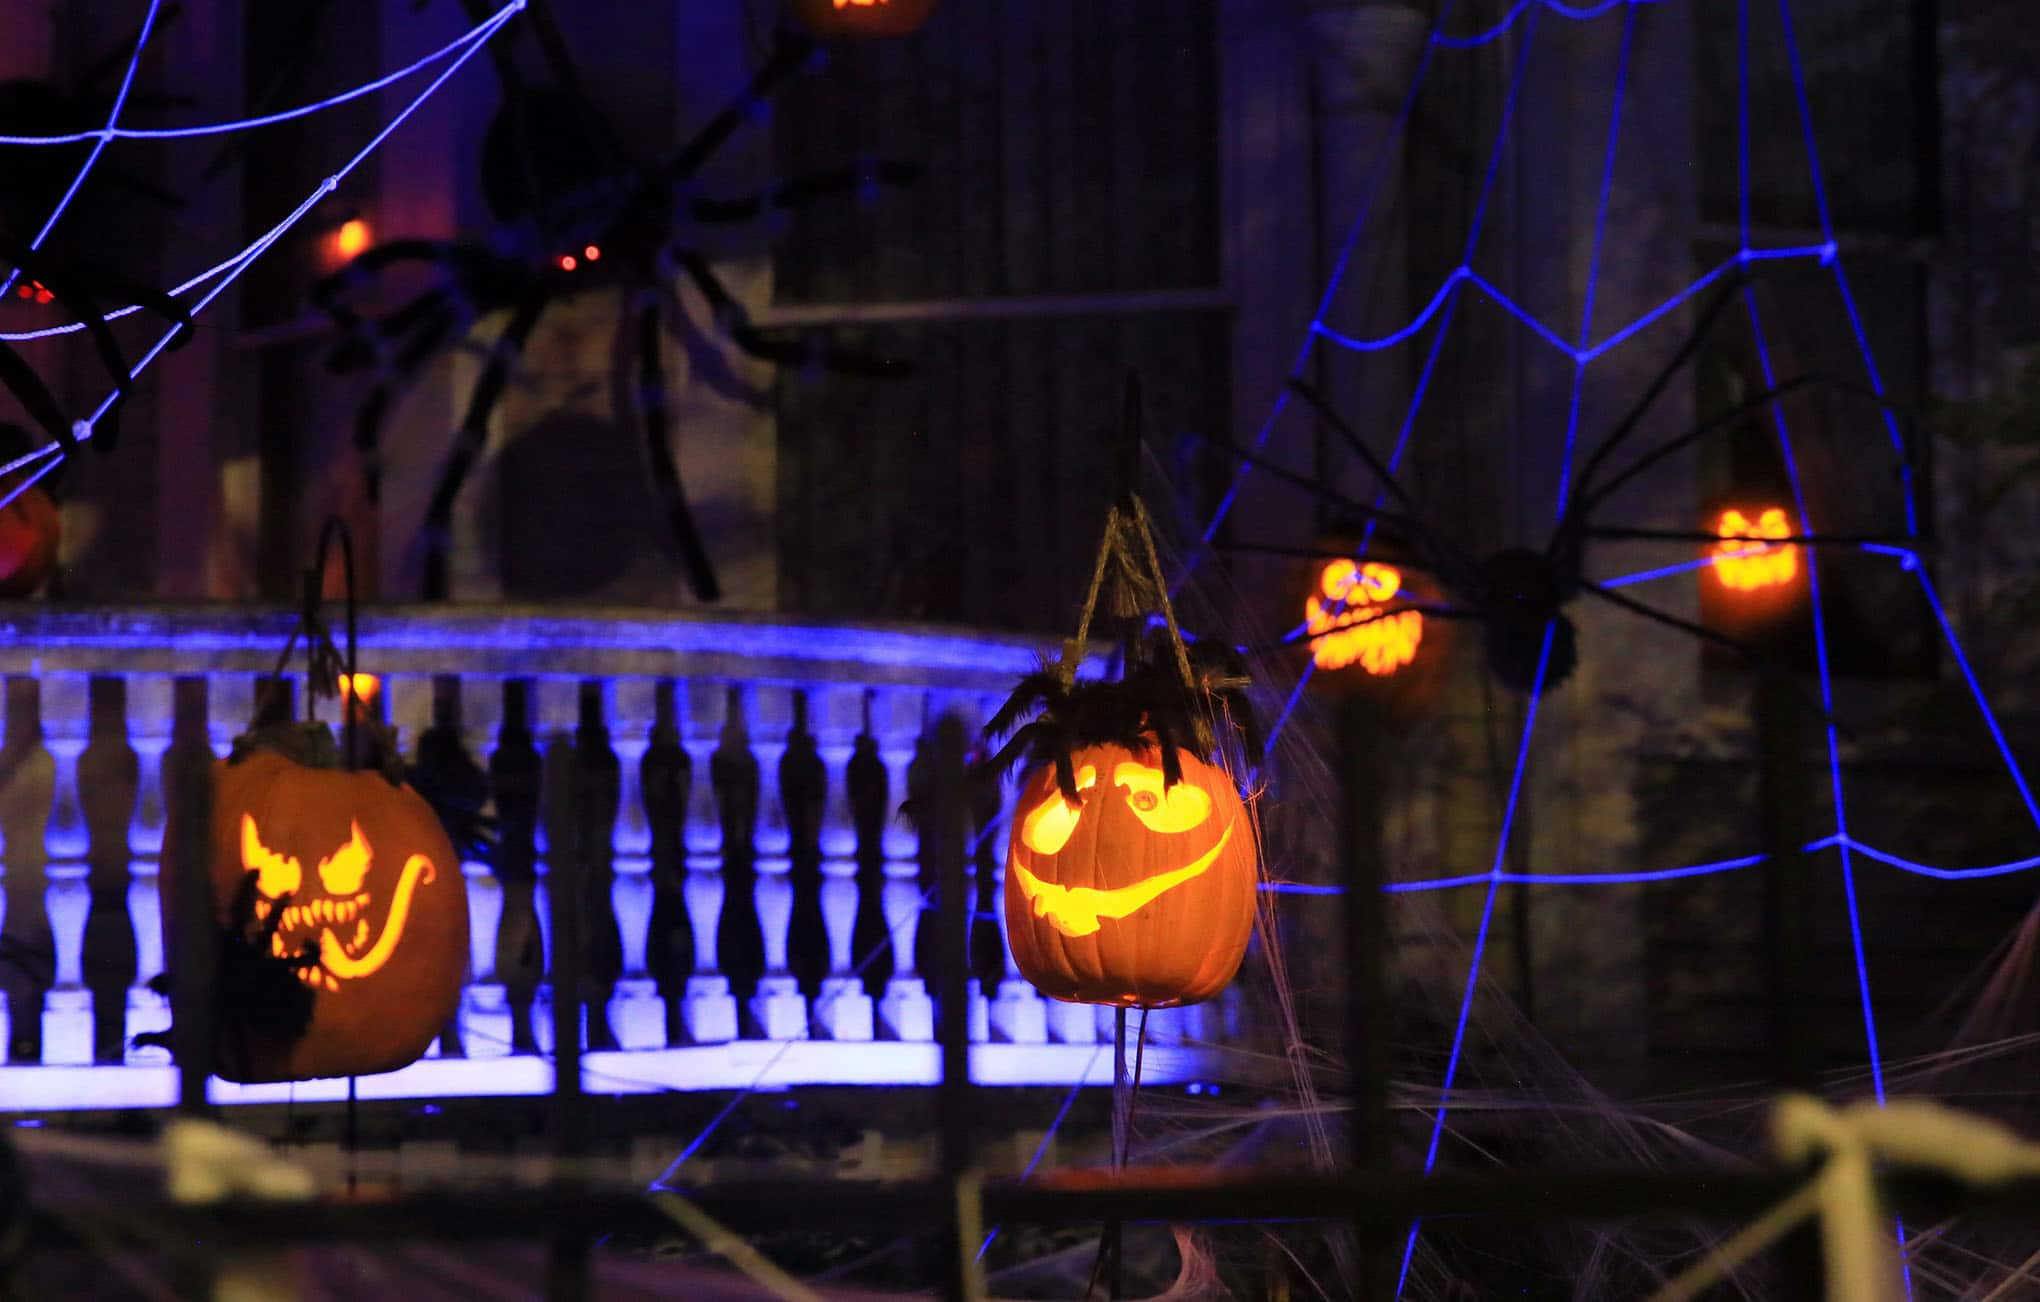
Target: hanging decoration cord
[328, 672]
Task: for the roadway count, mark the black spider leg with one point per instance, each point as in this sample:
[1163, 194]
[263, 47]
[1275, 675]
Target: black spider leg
[73, 289]
[1409, 530]
[803, 191]
[477, 281]
[553, 46]
[35, 398]
[504, 55]
[1736, 413]
[790, 52]
[300, 49]
[474, 432]
[801, 348]
[659, 449]
[1758, 661]
[1445, 558]
[1632, 420]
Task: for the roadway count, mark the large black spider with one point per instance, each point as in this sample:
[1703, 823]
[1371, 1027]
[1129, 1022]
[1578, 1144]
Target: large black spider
[1517, 593]
[575, 211]
[59, 261]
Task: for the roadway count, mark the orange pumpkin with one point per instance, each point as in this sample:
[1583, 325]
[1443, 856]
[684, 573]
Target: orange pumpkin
[1360, 636]
[358, 871]
[833, 20]
[1140, 894]
[30, 530]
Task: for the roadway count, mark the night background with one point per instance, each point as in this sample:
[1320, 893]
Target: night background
[1019, 648]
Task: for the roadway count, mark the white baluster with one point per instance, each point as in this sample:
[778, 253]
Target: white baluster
[229, 708]
[708, 1011]
[637, 1015]
[843, 1011]
[151, 716]
[67, 1008]
[905, 1011]
[977, 1010]
[778, 1012]
[1019, 1014]
[485, 1018]
[555, 717]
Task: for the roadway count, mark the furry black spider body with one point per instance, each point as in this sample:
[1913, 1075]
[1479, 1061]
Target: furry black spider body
[575, 214]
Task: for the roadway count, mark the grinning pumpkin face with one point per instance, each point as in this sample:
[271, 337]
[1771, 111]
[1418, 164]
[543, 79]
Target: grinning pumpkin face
[1746, 560]
[1139, 894]
[1349, 621]
[362, 871]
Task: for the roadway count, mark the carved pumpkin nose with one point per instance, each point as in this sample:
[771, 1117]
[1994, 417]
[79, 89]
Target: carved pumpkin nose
[343, 870]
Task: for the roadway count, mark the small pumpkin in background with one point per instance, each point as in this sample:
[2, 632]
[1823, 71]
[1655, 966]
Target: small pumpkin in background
[31, 527]
[1140, 892]
[340, 883]
[835, 20]
[1362, 633]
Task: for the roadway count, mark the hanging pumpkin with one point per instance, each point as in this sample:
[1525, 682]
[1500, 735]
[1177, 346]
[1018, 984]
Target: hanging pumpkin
[1140, 892]
[31, 527]
[832, 20]
[340, 883]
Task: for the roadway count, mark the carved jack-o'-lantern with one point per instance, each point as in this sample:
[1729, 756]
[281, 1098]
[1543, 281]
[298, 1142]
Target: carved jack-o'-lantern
[855, 19]
[1140, 894]
[1742, 563]
[1350, 622]
[362, 895]
[31, 528]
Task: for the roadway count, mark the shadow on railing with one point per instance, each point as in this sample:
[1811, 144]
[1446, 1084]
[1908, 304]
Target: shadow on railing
[754, 909]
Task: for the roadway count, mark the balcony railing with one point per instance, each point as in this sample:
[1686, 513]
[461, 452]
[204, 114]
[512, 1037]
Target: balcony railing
[759, 901]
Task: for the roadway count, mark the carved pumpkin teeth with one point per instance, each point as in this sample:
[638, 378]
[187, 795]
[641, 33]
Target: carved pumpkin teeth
[276, 944]
[262, 910]
[360, 935]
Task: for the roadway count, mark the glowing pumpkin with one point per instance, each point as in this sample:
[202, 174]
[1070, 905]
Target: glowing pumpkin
[30, 530]
[1742, 563]
[362, 895]
[1350, 622]
[856, 19]
[1141, 894]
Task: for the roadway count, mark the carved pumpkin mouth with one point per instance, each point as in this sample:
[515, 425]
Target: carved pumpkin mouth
[337, 927]
[1076, 910]
[1349, 623]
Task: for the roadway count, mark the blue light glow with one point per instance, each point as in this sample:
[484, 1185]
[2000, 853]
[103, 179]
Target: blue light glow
[113, 132]
[127, 83]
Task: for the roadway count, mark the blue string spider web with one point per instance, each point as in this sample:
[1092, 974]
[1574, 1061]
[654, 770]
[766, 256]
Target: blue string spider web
[218, 277]
[1580, 344]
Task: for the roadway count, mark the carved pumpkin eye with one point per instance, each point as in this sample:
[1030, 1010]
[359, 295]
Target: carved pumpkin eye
[1174, 809]
[1047, 827]
[276, 875]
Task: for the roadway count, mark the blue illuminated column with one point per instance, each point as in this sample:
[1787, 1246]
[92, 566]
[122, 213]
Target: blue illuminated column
[708, 1011]
[904, 1011]
[555, 717]
[67, 1007]
[843, 1011]
[485, 1019]
[636, 1014]
[1019, 1015]
[778, 1012]
[151, 713]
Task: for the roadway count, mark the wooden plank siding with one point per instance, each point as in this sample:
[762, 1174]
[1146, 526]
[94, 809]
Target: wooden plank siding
[1070, 151]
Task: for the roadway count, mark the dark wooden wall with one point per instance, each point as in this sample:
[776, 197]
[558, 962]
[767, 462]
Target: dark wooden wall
[1071, 150]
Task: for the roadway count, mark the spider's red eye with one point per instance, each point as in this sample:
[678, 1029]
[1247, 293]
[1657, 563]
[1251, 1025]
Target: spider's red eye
[568, 262]
[593, 252]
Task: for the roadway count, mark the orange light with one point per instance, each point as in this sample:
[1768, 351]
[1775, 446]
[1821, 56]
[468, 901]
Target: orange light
[568, 262]
[593, 253]
[26, 291]
[861, 4]
[1347, 625]
[352, 238]
[363, 688]
[1744, 567]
